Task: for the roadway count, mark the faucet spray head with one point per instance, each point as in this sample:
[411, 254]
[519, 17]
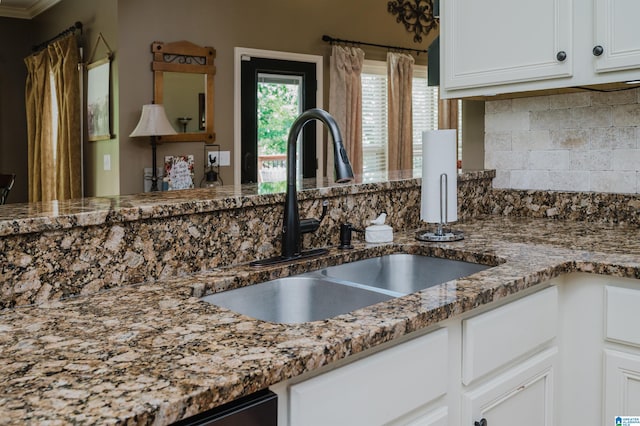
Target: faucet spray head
[344, 172]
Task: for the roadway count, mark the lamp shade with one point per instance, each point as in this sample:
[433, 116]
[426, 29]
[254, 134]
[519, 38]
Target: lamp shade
[153, 122]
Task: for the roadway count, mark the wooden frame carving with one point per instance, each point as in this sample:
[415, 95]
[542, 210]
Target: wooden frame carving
[185, 57]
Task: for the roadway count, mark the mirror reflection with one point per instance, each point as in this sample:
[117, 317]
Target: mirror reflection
[183, 101]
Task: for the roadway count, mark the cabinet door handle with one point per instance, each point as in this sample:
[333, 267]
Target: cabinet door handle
[598, 50]
[561, 56]
[482, 422]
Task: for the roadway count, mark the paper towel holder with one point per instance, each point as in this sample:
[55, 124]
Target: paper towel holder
[441, 235]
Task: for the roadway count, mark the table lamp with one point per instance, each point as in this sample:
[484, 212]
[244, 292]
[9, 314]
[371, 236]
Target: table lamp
[153, 123]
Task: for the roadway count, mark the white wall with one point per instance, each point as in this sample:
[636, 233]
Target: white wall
[588, 141]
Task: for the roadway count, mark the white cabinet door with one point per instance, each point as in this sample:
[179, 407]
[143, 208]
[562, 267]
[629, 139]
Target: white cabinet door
[493, 42]
[622, 385]
[617, 32]
[523, 396]
[377, 389]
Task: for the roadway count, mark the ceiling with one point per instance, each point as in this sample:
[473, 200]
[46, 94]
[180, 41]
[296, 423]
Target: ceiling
[24, 9]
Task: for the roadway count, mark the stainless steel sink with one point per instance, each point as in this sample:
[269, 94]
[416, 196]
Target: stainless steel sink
[340, 289]
[296, 299]
[402, 273]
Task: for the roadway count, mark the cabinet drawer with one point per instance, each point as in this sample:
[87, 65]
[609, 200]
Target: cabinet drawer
[376, 389]
[495, 338]
[622, 315]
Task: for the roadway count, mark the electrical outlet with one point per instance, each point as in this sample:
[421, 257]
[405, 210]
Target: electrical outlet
[212, 158]
[106, 162]
[225, 158]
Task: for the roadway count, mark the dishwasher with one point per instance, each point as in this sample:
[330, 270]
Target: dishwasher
[257, 409]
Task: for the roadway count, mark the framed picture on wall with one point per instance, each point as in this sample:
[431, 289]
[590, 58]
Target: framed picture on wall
[98, 106]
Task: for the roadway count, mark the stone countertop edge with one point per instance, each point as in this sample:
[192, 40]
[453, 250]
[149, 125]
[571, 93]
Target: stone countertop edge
[55, 215]
[153, 353]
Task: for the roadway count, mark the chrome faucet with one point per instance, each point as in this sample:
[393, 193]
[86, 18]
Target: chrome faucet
[292, 229]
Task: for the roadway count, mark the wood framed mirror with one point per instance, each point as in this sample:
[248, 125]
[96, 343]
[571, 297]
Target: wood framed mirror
[183, 75]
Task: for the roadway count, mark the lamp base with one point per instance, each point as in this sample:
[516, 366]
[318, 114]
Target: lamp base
[448, 236]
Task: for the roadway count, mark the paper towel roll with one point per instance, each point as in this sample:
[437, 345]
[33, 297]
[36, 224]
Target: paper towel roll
[438, 157]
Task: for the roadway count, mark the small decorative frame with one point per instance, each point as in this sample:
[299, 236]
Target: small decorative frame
[416, 15]
[178, 171]
[98, 94]
[98, 105]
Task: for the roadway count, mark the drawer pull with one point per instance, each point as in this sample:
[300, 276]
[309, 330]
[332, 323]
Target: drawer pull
[482, 422]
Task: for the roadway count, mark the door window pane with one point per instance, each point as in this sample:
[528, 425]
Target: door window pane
[278, 106]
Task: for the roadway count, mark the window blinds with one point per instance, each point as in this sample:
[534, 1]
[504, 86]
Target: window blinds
[374, 117]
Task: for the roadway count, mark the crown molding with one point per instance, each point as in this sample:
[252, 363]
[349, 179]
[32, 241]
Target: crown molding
[26, 12]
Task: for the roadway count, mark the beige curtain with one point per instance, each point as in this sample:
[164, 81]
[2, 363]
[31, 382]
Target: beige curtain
[345, 103]
[54, 160]
[399, 79]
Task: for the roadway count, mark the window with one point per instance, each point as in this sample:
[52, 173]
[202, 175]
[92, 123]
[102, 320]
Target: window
[374, 118]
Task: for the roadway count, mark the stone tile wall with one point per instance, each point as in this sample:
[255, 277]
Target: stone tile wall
[588, 141]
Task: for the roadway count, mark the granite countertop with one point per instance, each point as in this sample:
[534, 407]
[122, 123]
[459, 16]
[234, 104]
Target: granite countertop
[23, 218]
[153, 353]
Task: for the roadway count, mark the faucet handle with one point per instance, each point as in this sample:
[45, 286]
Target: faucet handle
[312, 225]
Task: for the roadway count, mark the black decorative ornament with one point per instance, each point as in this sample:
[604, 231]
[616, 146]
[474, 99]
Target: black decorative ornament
[416, 15]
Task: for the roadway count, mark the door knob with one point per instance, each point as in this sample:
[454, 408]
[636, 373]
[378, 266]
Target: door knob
[561, 56]
[598, 50]
[482, 422]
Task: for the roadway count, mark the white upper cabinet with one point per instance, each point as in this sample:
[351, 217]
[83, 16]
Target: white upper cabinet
[617, 35]
[491, 47]
[492, 42]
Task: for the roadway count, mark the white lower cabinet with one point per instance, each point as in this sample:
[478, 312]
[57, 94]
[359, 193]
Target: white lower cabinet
[509, 362]
[523, 395]
[435, 417]
[621, 352]
[566, 354]
[377, 389]
[621, 384]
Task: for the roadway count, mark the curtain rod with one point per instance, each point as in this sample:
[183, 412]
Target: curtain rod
[70, 30]
[332, 40]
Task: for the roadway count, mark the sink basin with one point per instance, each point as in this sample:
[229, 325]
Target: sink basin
[296, 299]
[402, 273]
[340, 289]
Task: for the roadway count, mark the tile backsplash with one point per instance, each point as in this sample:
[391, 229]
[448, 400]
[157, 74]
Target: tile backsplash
[588, 141]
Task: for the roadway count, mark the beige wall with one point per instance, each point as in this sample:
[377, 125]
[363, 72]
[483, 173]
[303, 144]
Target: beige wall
[17, 36]
[287, 25]
[97, 16]
[13, 122]
[473, 135]
[130, 26]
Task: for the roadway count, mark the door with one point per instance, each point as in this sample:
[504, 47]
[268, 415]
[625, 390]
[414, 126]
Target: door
[522, 396]
[273, 93]
[616, 35]
[495, 42]
[621, 385]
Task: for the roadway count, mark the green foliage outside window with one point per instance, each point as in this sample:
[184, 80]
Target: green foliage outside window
[277, 109]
